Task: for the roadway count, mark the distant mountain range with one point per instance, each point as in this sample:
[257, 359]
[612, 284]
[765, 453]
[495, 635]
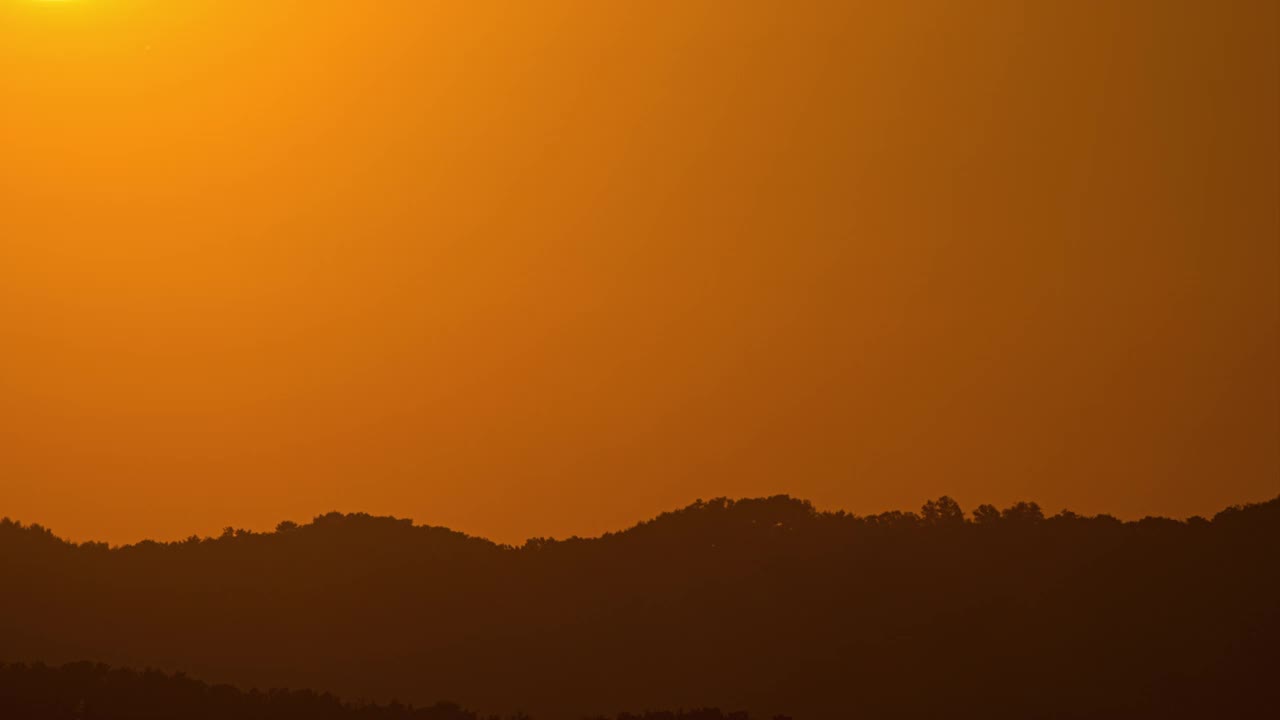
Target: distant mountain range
[764, 605]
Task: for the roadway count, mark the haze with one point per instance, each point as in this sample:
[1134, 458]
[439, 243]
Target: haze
[550, 268]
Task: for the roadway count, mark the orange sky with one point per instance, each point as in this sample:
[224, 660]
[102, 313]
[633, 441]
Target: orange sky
[544, 268]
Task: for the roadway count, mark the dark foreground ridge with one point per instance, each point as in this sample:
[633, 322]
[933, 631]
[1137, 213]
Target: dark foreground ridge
[764, 605]
[88, 691]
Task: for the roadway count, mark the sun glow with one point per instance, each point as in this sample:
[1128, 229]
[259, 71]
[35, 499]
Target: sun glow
[497, 263]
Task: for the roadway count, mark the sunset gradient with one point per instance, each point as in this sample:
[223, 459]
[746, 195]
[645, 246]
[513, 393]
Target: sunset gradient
[550, 268]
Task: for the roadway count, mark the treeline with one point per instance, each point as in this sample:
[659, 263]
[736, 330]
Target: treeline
[765, 605]
[89, 691]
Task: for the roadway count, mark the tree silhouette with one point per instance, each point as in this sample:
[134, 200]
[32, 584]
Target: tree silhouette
[942, 512]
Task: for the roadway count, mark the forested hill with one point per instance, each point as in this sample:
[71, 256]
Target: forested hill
[764, 605]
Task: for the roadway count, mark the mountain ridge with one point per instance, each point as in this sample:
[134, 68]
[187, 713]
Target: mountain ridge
[797, 508]
[766, 605]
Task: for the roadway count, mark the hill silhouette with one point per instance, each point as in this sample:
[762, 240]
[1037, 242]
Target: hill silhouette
[762, 604]
[88, 691]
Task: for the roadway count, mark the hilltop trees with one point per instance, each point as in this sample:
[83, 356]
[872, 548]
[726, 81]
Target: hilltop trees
[942, 512]
[763, 604]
